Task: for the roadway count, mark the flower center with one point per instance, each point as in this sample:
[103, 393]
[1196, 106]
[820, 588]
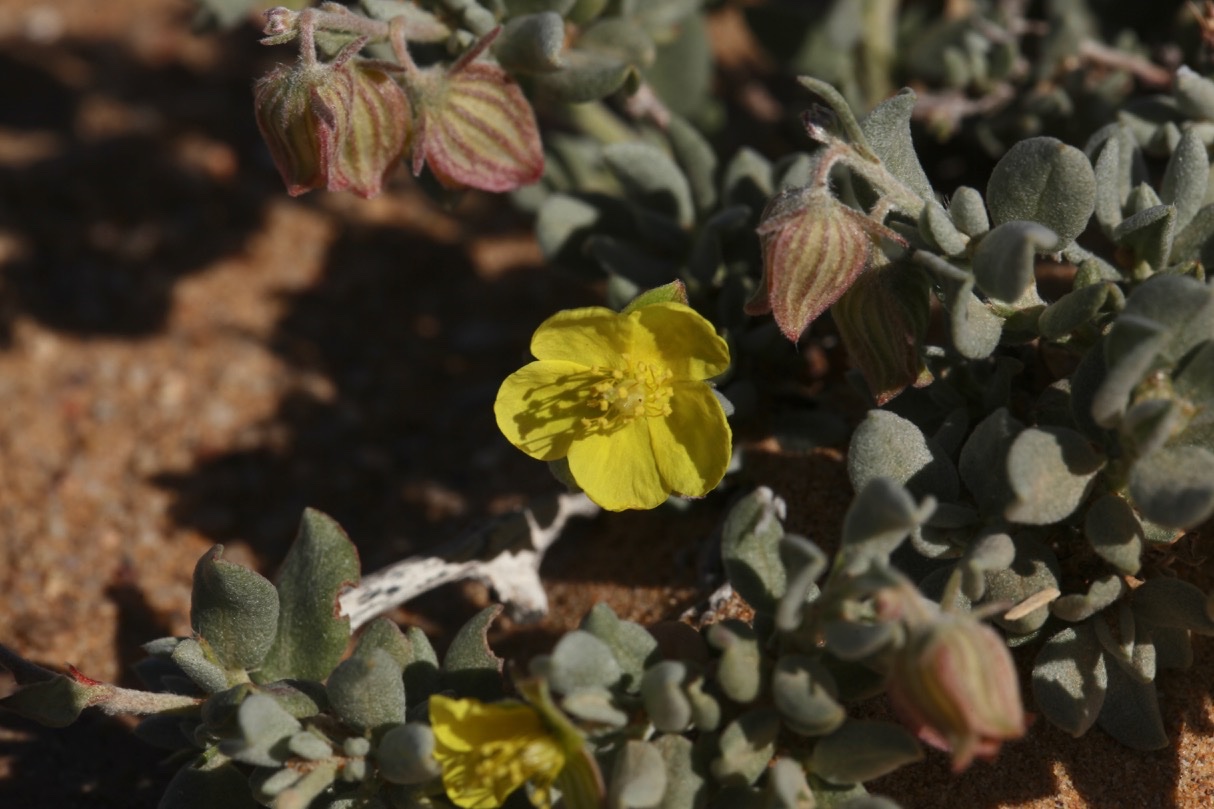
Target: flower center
[639, 390]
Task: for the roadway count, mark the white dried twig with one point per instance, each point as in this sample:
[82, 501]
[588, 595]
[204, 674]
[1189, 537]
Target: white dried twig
[504, 554]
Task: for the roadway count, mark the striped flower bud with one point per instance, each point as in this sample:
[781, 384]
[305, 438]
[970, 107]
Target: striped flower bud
[955, 685]
[476, 129]
[334, 126]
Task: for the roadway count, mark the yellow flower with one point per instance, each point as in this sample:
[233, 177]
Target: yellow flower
[487, 751]
[623, 396]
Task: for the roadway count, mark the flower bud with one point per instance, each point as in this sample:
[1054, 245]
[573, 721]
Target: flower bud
[814, 248]
[955, 685]
[335, 126]
[476, 128]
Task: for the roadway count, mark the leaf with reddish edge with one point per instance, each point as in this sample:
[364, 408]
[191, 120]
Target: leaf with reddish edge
[814, 248]
[476, 129]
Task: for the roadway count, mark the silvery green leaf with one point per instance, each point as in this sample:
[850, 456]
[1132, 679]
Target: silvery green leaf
[991, 551]
[878, 519]
[1195, 239]
[421, 669]
[1006, 257]
[787, 787]
[1070, 679]
[1173, 646]
[638, 777]
[1034, 569]
[1142, 197]
[565, 223]
[1149, 424]
[265, 732]
[887, 129]
[581, 660]
[747, 180]
[794, 170]
[267, 783]
[1187, 177]
[583, 11]
[750, 548]
[1169, 602]
[1130, 350]
[698, 160]
[1110, 185]
[1194, 94]
[532, 43]
[682, 72]
[843, 114]
[515, 8]
[660, 16]
[804, 694]
[1130, 648]
[619, 38]
[662, 693]
[705, 707]
[1174, 487]
[594, 704]
[685, 787]
[1076, 308]
[1130, 713]
[983, 462]
[803, 562]
[651, 179]
[1114, 532]
[191, 658]
[383, 633]
[740, 670]
[368, 692]
[746, 746]
[631, 645]
[939, 231]
[1149, 234]
[470, 667]
[1079, 607]
[307, 744]
[862, 750]
[233, 610]
[312, 632]
[975, 328]
[1050, 471]
[206, 782]
[857, 641]
[1043, 180]
[968, 212]
[586, 76]
[54, 703]
[1184, 304]
[885, 445]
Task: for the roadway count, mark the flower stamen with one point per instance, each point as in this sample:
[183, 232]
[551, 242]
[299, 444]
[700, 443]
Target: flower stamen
[622, 395]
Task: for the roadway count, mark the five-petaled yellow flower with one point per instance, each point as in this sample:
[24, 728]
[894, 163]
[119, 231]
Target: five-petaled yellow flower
[623, 396]
[487, 751]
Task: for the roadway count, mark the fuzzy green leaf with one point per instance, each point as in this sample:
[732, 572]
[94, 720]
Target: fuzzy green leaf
[1043, 180]
[1101, 593]
[698, 160]
[581, 660]
[312, 633]
[406, 754]
[887, 129]
[1035, 568]
[685, 788]
[1115, 533]
[1174, 487]
[1070, 679]
[878, 519]
[804, 693]
[1050, 471]
[234, 610]
[470, 667]
[651, 179]
[746, 747]
[968, 212]
[586, 76]
[886, 445]
[938, 229]
[367, 692]
[191, 656]
[532, 43]
[862, 750]
[205, 783]
[638, 777]
[1187, 178]
[1130, 713]
[1006, 257]
[668, 707]
[740, 671]
[1075, 309]
[54, 703]
[265, 732]
[1149, 233]
[1173, 603]
[631, 645]
[750, 548]
[983, 463]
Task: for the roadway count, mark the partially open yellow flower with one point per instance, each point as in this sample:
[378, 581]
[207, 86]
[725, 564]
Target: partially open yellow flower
[623, 396]
[488, 750]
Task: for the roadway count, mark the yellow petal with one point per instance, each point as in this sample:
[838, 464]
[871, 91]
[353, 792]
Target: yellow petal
[692, 445]
[540, 407]
[589, 336]
[616, 469]
[679, 338]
